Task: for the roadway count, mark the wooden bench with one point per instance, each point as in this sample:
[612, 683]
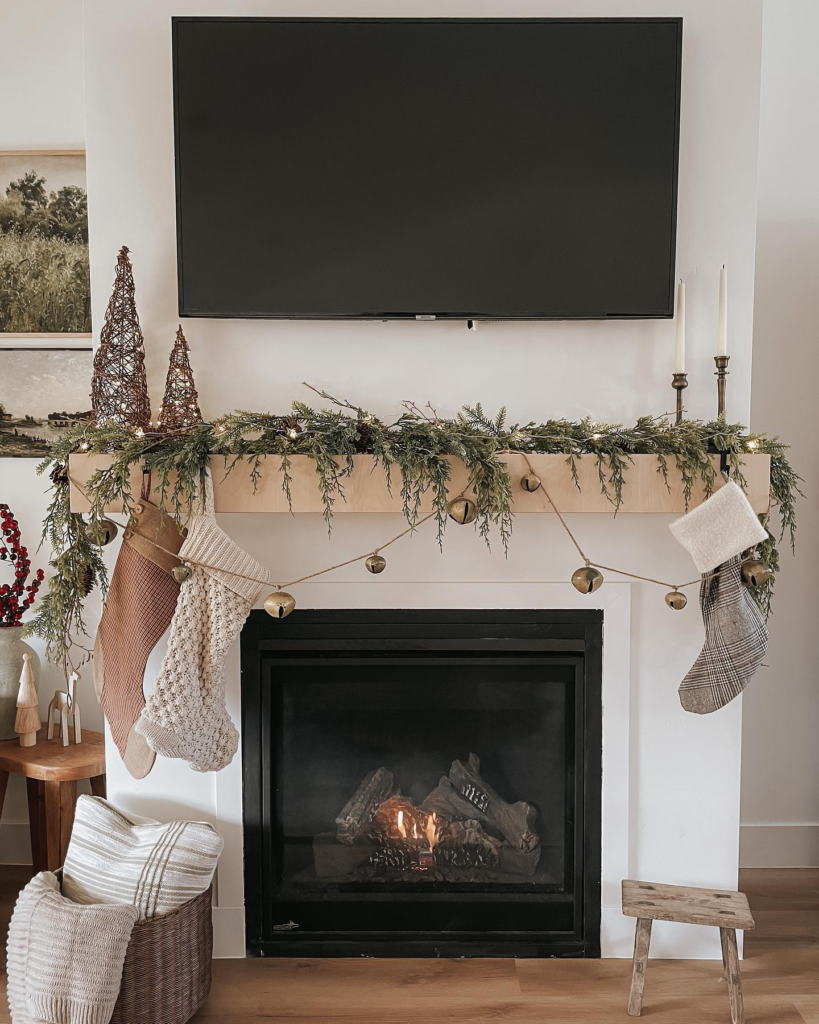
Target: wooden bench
[719, 908]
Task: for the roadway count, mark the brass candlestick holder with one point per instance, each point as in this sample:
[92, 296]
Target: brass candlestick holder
[679, 382]
[721, 374]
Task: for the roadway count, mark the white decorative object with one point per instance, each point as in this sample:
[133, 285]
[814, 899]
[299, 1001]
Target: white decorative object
[27, 722]
[64, 704]
[12, 649]
[117, 858]
[719, 529]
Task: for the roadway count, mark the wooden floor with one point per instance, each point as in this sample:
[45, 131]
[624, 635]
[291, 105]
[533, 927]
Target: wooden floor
[780, 975]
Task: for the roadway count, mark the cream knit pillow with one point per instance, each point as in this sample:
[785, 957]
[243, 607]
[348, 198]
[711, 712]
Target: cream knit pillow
[113, 858]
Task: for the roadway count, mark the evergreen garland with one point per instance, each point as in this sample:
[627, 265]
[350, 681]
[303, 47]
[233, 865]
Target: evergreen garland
[413, 448]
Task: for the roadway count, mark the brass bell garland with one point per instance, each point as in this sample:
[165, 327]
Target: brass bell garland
[530, 482]
[181, 573]
[463, 510]
[755, 572]
[376, 563]
[587, 579]
[102, 532]
[676, 600]
[280, 604]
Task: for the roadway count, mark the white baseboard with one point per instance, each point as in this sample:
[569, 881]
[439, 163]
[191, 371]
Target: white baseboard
[228, 932]
[779, 846]
[15, 844]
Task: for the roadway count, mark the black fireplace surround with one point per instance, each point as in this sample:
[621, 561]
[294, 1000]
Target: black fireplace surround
[422, 783]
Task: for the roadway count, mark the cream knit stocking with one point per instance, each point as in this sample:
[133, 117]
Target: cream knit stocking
[186, 716]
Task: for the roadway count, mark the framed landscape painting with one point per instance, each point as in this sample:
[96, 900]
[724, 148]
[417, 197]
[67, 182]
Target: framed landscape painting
[42, 392]
[44, 275]
[46, 357]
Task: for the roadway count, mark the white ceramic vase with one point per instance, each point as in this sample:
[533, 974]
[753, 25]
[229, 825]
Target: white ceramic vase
[12, 649]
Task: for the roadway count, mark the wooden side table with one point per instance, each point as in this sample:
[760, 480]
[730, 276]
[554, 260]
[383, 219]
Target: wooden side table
[51, 772]
[719, 908]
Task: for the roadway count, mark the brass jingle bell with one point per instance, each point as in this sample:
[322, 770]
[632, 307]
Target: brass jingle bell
[280, 604]
[463, 510]
[587, 579]
[676, 600]
[755, 572]
[102, 532]
[181, 573]
[376, 563]
[530, 482]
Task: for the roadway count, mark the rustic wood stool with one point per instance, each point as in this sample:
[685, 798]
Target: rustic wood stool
[51, 772]
[651, 901]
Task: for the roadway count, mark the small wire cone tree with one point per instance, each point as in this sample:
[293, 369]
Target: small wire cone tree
[180, 403]
[119, 390]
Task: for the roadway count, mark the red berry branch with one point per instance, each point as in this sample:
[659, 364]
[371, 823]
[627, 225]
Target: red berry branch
[15, 598]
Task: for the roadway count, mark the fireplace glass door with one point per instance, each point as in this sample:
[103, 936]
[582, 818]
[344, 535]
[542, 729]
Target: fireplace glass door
[418, 789]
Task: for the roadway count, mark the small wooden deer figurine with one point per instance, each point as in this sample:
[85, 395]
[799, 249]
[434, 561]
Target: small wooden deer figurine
[28, 707]
[65, 704]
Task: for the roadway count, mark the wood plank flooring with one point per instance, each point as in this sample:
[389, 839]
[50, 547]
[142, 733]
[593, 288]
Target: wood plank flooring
[780, 976]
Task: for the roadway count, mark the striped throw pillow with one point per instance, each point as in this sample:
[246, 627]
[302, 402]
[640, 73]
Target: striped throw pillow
[114, 858]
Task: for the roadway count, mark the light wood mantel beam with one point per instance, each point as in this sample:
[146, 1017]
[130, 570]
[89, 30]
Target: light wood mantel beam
[366, 490]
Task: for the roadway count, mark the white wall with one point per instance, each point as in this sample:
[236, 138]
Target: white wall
[41, 80]
[780, 771]
[684, 789]
[682, 826]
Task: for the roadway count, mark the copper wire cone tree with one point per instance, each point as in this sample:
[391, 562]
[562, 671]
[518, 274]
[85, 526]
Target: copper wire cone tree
[180, 403]
[119, 390]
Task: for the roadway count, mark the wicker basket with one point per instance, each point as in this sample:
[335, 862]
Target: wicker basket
[167, 970]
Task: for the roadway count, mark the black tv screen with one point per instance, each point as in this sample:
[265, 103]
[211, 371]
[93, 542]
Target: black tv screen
[389, 167]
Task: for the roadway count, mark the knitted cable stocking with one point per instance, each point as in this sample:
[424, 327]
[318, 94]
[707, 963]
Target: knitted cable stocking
[186, 716]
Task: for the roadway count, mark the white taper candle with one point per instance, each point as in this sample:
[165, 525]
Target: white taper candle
[722, 336]
[679, 360]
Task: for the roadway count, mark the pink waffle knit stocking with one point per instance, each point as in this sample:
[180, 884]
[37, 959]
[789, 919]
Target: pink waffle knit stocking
[140, 605]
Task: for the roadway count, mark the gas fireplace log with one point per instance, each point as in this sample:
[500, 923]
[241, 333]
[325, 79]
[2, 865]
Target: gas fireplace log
[471, 833]
[447, 802]
[515, 821]
[360, 809]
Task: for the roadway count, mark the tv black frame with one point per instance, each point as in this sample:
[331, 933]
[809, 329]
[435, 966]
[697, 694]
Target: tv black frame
[482, 315]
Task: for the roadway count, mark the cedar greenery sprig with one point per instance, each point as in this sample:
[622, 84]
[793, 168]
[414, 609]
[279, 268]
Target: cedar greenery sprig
[415, 448]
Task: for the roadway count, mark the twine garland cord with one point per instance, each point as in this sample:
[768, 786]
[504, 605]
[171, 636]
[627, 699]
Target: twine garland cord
[608, 568]
[411, 529]
[266, 582]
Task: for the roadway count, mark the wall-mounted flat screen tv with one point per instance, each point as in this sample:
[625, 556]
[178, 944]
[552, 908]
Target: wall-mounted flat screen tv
[521, 168]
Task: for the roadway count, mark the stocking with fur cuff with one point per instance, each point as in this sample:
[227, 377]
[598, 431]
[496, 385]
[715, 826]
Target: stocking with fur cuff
[723, 526]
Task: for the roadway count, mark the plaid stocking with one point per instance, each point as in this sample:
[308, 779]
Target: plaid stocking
[140, 605]
[736, 639]
[186, 716]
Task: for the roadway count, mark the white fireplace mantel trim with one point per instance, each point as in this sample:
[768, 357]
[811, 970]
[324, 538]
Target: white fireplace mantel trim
[615, 601]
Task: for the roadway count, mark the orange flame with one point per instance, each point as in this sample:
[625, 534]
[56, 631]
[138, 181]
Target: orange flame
[431, 830]
[402, 828]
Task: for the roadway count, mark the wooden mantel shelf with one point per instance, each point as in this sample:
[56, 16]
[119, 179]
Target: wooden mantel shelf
[366, 491]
